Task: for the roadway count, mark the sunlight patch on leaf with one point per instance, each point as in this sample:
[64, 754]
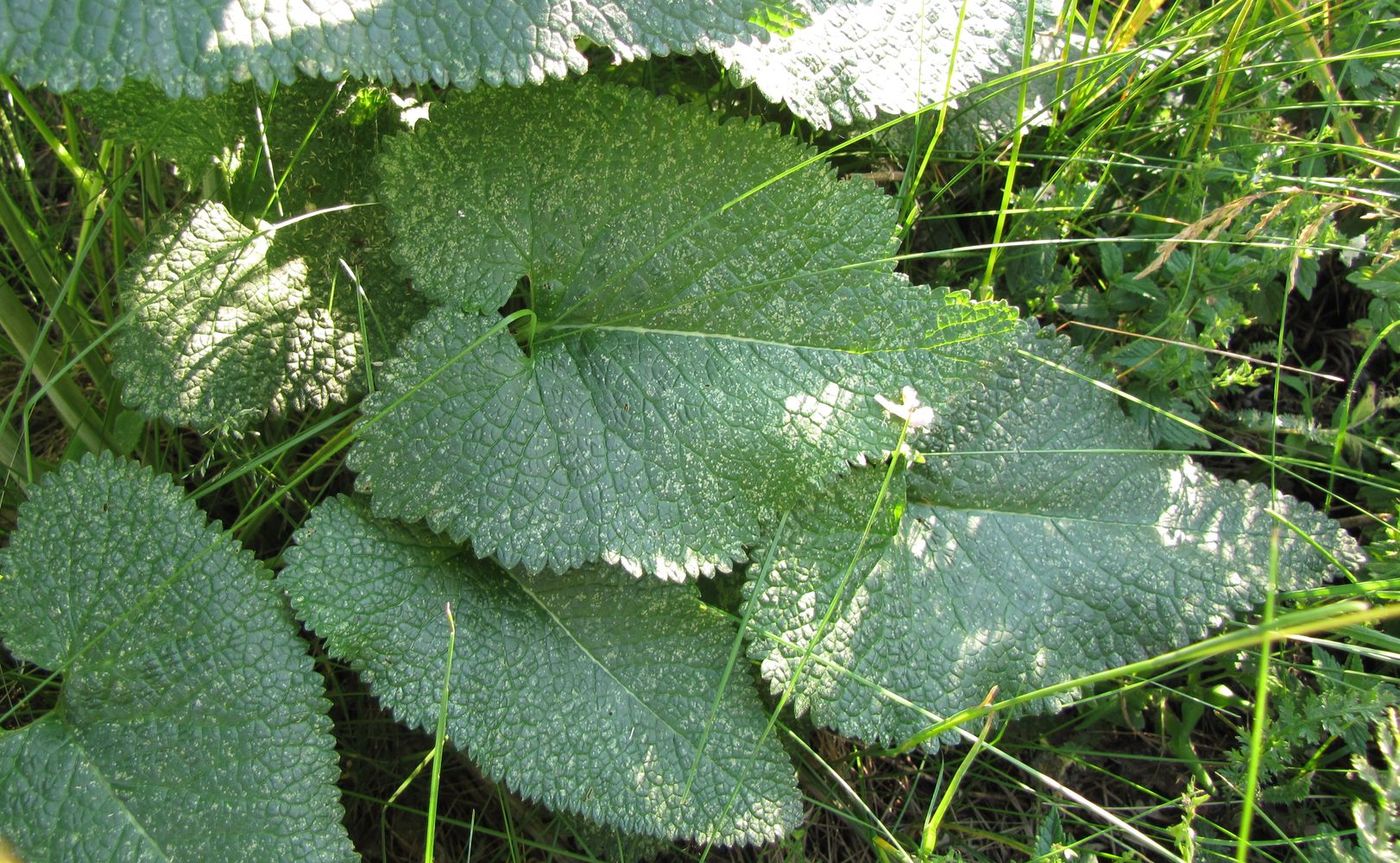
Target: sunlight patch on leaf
[1032, 550]
[230, 318]
[193, 47]
[858, 59]
[220, 334]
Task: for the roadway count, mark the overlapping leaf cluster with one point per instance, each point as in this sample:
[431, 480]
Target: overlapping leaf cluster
[646, 343]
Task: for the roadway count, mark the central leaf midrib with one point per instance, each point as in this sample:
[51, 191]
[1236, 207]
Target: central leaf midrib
[70, 735]
[568, 331]
[621, 685]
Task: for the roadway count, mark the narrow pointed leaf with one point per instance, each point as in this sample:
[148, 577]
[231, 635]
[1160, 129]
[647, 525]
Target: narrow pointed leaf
[591, 692]
[191, 725]
[193, 46]
[704, 350]
[1033, 550]
[857, 59]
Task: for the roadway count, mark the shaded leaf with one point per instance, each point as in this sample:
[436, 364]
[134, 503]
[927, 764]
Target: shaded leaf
[698, 357]
[191, 724]
[195, 134]
[590, 692]
[1041, 541]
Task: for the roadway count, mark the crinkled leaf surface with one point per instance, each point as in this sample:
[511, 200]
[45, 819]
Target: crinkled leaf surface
[191, 725]
[988, 115]
[699, 359]
[592, 691]
[1031, 551]
[232, 319]
[210, 342]
[858, 59]
[193, 46]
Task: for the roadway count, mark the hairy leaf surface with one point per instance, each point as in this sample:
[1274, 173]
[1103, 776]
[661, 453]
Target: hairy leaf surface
[591, 692]
[698, 358]
[191, 725]
[193, 46]
[232, 318]
[1032, 550]
[858, 59]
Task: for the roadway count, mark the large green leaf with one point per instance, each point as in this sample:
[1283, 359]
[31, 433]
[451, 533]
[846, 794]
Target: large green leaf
[230, 317]
[859, 59]
[193, 46]
[699, 357]
[1032, 550]
[191, 725]
[592, 692]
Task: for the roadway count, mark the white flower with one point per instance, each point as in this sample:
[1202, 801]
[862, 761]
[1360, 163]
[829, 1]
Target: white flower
[916, 414]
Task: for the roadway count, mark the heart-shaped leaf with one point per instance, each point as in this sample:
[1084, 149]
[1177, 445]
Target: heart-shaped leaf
[699, 347]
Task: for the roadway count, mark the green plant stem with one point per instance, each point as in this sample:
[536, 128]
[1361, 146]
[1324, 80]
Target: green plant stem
[1018, 135]
[1261, 714]
[910, 203]
[89, 182]
[885, 839]
[440, 737]
[14, 461]
[1054, 785]
[736, 648]
[896, 462]
[1344, 421]
[1304, 622]
[1230, 55]
[72, 407]
[389, 802]
[1301, 37]
[1124, 37]
[928, 843]
[42, 273]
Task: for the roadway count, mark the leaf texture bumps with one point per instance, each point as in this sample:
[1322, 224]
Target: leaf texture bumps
[858, 59]
[213, 339]
[701, 348]
[190, 47]
[591, 692]
[231, 317]
[1041, 541]
[191, 725]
